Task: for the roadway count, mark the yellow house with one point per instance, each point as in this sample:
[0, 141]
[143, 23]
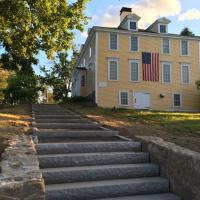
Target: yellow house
[139, 69]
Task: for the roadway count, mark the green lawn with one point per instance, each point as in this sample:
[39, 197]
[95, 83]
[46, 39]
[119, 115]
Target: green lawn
[176, 121]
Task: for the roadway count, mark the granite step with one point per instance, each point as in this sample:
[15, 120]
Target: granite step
[91, 159]
[164, 196]
[64, 120]
[95, 173]
[91, 126]
[87, 147]
[57, 116]
[106, 188]
[75, 134]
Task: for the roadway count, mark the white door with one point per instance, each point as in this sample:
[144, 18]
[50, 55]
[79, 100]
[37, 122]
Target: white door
[141, 100]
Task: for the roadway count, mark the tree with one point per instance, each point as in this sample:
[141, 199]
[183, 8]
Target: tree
[30, 26]
[59, 76]
[187, 32]
[22, 88]
[4, 75]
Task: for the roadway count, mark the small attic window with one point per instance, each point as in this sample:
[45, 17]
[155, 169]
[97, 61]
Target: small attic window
[132, 25]
[163, 28]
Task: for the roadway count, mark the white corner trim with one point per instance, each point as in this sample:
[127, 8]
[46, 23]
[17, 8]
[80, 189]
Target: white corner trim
[96, 69]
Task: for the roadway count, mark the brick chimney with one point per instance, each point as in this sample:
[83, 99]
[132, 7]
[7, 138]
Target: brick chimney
[124, 12]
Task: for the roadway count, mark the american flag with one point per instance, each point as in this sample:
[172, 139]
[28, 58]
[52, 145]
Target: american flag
[150, 66]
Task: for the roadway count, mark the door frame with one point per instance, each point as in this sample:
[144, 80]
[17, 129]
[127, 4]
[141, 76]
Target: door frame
[134, 99]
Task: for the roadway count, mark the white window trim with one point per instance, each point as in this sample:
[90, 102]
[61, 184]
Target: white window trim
[162, 25]
[170, 64]
[120, 98]
[117, 42]
[134, 61]
[170, 49]
[90, 52]
[113, 59]
[129, 28]
[84, 62]
[138, 40]
[188, 48]
[180, 99]
[185, 64]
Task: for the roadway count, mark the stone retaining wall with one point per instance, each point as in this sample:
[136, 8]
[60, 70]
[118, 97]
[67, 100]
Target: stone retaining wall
[21, 178]
[181, 166]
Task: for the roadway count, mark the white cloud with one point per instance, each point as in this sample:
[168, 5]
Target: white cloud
[148, 10]
[192, 14]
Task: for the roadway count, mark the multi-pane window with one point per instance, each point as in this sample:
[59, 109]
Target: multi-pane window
[166, 46]
[113, 69]
[123, 98]
[83, 81]
[133, 43]
[163, 28]
[166, 72]
[185, 73]
[113, 41]
[134, 70]
[132, 25]
[177, 99]
[184, 48]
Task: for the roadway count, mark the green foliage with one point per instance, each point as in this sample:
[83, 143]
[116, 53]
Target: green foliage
[59, 76]
[22, 88]
[4, 75]
[187, 32]
[30, 26]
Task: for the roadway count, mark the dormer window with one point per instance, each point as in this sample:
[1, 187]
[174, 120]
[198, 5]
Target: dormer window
[163, 28]
[132, 25]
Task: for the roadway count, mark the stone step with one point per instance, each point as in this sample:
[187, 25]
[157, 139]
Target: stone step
[55, 113]
[75, 133]
[165, 196]
[65, 120]
[55, 116]
[90, 126]
[110, 188]
[101, 172]
[91, 159]
[87, 147]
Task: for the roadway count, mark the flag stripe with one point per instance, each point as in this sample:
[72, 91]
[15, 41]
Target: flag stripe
[150, 65]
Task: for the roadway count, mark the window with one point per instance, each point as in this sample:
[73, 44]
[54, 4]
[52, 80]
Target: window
[163, 28]
[185, 73]
[133, 43]
[166, 72]
[177, 100]
[90, 52]
[83, 81]
[134, 70]
[113, 69]
[166, 46]
[132, 25]
[184, 48]
[113, 41]
[123, 98]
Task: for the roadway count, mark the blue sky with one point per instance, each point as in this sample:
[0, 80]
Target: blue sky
[182, 13]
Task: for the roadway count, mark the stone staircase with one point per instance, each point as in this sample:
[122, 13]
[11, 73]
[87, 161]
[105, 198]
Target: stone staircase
[81, 160]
